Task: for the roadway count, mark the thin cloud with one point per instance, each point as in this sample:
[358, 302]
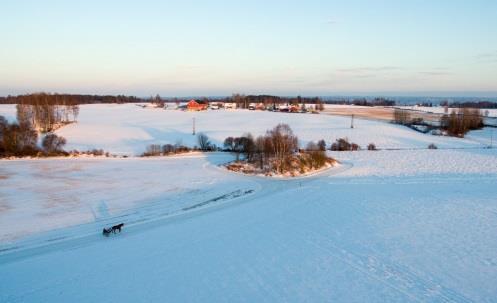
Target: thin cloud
[188, 67]
[331, 21]
[435, 73]
[370, 69]
[487, 57]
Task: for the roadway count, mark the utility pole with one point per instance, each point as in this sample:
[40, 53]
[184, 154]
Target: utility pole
[193, 132]
[352, 121]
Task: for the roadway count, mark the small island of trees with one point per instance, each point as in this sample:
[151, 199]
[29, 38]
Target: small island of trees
[276, 153]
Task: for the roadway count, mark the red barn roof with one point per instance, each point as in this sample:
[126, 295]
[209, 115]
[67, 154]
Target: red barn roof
[196, 105]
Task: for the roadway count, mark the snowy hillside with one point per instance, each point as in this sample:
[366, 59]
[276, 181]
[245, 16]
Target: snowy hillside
[388, 226]
[127, 129]
[413, 225]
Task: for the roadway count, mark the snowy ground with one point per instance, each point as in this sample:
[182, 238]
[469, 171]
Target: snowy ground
[441, 110]
[128, 129]
[65, 192]
[384, 226]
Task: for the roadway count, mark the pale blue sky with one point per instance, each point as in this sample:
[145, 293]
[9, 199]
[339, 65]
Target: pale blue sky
[221, 47]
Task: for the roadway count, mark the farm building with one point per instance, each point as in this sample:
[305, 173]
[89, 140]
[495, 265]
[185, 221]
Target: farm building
[230, 105]
[196, 105]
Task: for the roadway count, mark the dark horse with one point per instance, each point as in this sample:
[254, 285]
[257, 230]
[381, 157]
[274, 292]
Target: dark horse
[113, 229]
[117, 227]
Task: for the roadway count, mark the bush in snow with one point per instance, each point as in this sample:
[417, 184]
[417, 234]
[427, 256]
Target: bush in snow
[371, 146]
[343, 144]
[432, 146]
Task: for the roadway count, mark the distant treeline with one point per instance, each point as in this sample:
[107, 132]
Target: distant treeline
[241, 100]
[479, 104]
[363, 102]
[66, 99]
[244, 101]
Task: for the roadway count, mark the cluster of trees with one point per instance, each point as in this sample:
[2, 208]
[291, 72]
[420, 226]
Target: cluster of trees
[204, 144]
[402, 116]
[20, 139]
[469, 104]
[364, 102]
[91, 152]
[165, 150]
[278, 143]
[276, 150]
[460, 121]
[67, 99]
[44, 112]
[46, 117]
[316, 155]
[243, 101]
[157, 101]
[343, 144]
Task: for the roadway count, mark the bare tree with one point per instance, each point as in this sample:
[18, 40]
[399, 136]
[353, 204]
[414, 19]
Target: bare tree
[153, 150]
[322, 145]
[203, 142]
[229, 143]
[402, 116]
[53, 144]
[283, 140]
[459, 122]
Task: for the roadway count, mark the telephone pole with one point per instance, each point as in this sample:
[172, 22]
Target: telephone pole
[352, 121]
[193, 132]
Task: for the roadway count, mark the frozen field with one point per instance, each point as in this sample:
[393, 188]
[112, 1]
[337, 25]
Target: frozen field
[65, 192]
[128, 129]
[386, 226]
[441, 110]
[412, 226]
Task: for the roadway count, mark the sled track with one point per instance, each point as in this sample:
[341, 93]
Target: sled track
[154, 214]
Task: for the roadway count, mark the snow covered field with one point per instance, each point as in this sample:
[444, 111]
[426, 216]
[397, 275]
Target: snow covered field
[127, 129]
[65, 192]
[384, 226]
[441, 110]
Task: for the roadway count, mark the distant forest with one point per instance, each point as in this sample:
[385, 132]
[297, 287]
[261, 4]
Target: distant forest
[66, 99]
[479, 104]
[241, 100]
